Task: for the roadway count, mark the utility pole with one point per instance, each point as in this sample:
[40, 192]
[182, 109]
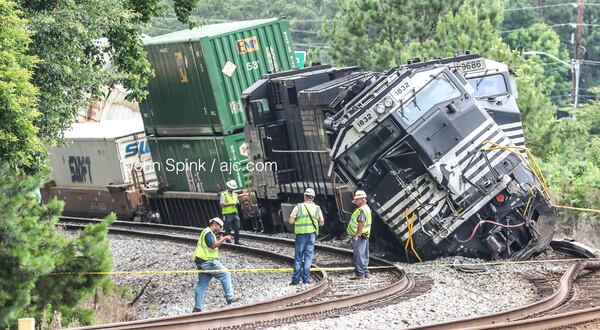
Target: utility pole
[575, 66]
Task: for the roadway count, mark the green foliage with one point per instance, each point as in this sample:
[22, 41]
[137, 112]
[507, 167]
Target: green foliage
[82, 46]
[374, 33]
[89, 252]
[557, 19]
[19, 146]
[541, 38]
[470, 28]
[571, 153]
[31, 249]
[184, 9]
[147, 9]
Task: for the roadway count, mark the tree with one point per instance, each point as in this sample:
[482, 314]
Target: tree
[571, 159]
[60, 50]
[31, 250]
[374, 33]
[82, 46]
[558, 16]
[20, 147]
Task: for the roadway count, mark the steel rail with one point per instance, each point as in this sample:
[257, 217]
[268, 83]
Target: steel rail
[274, 309]
[256, 237]
[220, 319]
[298, 297]
[574, 318]
[559, 297]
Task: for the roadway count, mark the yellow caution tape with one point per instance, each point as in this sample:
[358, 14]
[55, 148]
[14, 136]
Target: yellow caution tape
[205, 271]
[577, 208]
[328, 269]
[514, 262]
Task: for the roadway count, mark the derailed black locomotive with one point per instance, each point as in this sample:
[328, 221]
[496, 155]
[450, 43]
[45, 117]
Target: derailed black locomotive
[437, 146]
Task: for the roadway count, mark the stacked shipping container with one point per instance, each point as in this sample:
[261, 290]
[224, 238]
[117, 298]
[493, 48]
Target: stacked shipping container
[193, 115]
[200, 75]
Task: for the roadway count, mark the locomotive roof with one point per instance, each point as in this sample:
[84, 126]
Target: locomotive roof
[109, 129]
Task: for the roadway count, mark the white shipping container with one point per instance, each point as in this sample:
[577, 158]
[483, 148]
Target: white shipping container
[101, 154]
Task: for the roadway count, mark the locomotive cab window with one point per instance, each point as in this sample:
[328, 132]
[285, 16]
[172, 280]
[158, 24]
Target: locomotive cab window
[437, 91]
[488, 86]
[359, 156]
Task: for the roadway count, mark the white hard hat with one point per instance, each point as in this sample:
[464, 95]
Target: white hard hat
[309, 192]
[359, 194]
[217, 220]
[231, 184]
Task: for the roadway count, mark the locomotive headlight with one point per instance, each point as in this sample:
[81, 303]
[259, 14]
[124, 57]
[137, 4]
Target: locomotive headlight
[388, 103]
[380, 109]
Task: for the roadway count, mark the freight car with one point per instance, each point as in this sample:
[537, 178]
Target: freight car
[102, 168]
[435, 145]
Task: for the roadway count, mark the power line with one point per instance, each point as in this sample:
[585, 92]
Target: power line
[574, 25]
[543, 6]
[572, 4]
[590, 62]
[314, 45]
[304, 31]
[536, 27]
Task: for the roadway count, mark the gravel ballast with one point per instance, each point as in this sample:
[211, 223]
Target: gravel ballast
[168, 295]
[453, 295]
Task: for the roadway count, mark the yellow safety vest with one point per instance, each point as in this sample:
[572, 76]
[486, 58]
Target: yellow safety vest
[304, 224]
[353, 224]
[203, 251]
[230, 198]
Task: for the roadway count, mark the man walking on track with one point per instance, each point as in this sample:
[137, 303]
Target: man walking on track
[359, 229]
[306, 218]
[207, 257]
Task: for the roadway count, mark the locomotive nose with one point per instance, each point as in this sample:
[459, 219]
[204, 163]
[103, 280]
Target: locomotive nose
[542, 230]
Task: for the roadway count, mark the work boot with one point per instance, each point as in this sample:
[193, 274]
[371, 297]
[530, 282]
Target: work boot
[196, 310]
[356, 277]
[232, 300]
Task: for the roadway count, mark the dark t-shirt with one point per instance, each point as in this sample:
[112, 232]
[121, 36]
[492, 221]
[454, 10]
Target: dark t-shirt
[209, 239]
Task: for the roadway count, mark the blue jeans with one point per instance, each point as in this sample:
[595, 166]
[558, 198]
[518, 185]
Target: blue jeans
[204, 278]
[360, 248]
[232, 222]
[305, 247]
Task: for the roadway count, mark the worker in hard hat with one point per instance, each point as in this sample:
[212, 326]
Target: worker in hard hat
[207, 258]
[359, 229]
[229, 201]
[306, 218]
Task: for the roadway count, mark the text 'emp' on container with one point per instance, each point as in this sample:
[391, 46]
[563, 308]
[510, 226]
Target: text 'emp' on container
[201, 73]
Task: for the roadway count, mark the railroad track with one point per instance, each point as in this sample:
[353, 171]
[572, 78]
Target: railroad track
[575, 300]
[332, 295]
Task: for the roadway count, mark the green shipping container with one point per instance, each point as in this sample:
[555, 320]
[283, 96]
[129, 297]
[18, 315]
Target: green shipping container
[200, 164]
[201, 74]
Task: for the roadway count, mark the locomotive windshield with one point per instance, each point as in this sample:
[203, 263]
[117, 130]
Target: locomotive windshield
[437, 91]
[359, 156]
[487, 86]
